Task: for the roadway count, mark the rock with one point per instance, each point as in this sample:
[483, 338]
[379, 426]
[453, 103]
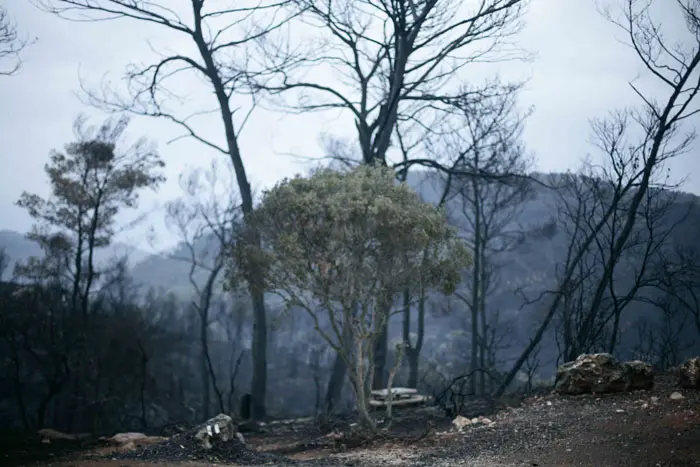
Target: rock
[218, 429]
[689, 374]
[129, 441]
[49, 434]
[676, 396]
[461, 422]
[601, 373]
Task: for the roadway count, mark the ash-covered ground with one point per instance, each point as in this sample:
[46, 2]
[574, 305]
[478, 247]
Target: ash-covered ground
[641, 428]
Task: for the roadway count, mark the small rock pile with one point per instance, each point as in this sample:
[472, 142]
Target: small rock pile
[689, 374]
[601, 373]
[216, 441]
[129, 441]
[460, 422]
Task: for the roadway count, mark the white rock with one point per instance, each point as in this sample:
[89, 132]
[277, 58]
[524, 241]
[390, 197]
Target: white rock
[676, 396]
[226, 430]
[461, 422]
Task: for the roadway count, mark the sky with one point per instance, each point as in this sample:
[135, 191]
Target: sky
[580, 71]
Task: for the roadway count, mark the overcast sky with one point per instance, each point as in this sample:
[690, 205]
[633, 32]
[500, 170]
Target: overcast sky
[581, 71]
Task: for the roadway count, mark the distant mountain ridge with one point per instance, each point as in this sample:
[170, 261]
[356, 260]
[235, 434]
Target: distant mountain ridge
[19, 248]
[169, 271]
[526, 271]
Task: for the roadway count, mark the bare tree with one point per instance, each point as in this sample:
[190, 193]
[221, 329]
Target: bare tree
[582, 201]
[218, 35]
[679, 281]
[11, 45]
[398, 62]
[205, 219]
[91, 182]
[95, 179]
[485, 136]
[660, 125]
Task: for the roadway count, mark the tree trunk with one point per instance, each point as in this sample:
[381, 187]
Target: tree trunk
[334, 390]
[380, 355]
[257, 292]
[413, 350]
[206, 390]
[259, 354]
[336, 382]
[412, 355]
[360, 389]
[483, 344]
[476, 284]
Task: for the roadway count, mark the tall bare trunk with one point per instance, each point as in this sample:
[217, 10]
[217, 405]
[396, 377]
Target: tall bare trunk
[259, 354]
[334, 390]
[413, 350]
[476, 285]
[257, 292]
[204, 363]
[380, 355]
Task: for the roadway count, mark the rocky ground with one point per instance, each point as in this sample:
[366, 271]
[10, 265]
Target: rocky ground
[641, 428]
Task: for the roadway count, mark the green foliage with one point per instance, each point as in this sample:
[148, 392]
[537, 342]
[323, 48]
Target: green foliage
[354, 236]
[346, 244]
[90, 183]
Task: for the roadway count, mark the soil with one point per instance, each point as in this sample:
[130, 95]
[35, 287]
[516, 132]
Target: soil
[642, 428]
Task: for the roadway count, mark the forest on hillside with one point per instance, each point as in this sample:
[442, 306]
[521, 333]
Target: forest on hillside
[462, 270]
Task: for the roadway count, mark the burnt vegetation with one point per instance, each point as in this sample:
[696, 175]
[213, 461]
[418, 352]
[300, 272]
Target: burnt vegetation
[471, 280]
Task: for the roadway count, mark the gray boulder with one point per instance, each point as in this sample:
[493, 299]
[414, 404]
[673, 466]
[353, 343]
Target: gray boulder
[218, 429]
[601, 373]
[689, 374]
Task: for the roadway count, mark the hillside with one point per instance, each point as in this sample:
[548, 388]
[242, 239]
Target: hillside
[19, 248]
[526, 270]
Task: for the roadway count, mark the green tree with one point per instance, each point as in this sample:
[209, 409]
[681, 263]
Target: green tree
[342, 247]
[90, 183]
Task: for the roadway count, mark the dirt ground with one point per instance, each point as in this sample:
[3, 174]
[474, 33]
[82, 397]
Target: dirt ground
[643, 428]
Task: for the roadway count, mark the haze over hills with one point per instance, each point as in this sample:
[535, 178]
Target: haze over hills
[19, 248]
[526, 270]
[169, 270]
